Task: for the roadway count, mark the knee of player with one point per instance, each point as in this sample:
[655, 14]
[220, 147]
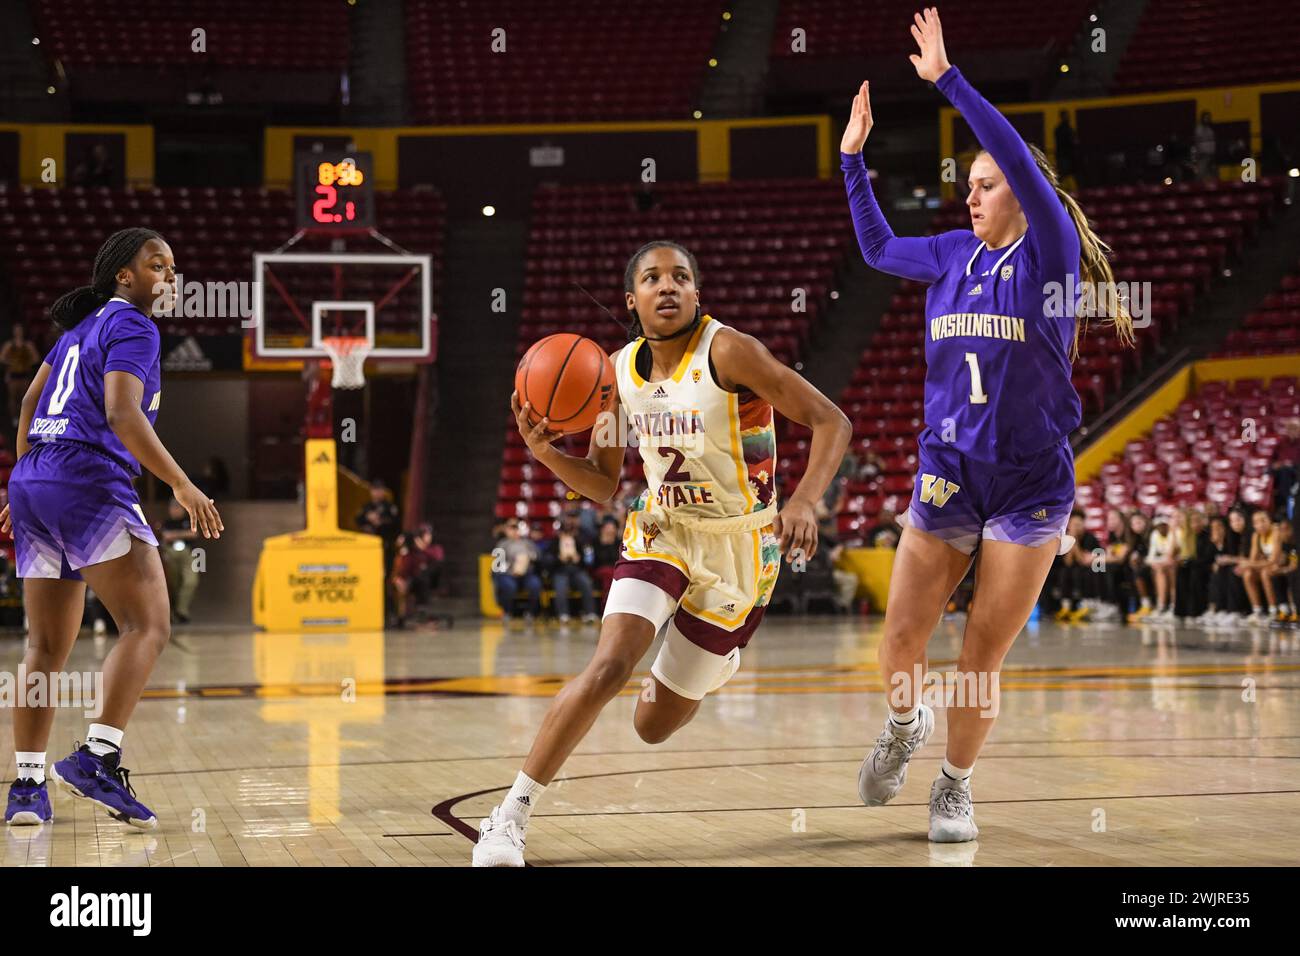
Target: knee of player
[40, 650]
[905, 633]
[979, 660]
[155, 633]
[649, 731]
[608, 675]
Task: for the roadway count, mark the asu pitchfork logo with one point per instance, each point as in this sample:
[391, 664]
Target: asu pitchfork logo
[648, 535]
[937, 491]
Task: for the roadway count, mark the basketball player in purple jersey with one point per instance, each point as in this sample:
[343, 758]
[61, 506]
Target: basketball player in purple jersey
[86, 428]
[995, 472]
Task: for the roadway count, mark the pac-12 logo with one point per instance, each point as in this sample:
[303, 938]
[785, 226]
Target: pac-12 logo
[695, 375]
[937, 491]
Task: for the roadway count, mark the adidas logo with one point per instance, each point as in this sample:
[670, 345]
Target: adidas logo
[525, 799]
[322, 459]
[1040, 514]
[977, 290]
[659, 393]
[187, 357]
[729, 608]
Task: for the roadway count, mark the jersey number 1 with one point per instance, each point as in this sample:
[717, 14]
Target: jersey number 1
[977, 396]
[66, 380]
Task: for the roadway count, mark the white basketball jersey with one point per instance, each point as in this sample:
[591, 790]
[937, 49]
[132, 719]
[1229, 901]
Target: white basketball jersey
[708, 453]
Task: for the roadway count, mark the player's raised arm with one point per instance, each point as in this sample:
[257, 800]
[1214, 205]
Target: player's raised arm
[919, 258]
[742, 361]
[595, 476]
[122, 394]
[1051, 231]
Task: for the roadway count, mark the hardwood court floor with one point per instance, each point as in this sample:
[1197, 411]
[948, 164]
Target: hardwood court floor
[1115, 745]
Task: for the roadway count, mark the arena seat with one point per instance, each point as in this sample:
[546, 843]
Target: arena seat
[1195, 466]
[572, 61]
[1181, 44]
[247, 34]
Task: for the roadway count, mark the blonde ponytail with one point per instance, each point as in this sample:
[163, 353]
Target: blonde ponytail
[1096, 277]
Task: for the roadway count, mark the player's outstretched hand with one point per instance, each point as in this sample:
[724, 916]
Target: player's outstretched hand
[796, 528]
[5, 526]
[537, 436]
[928, 33]
[201, 509]
[860, 121]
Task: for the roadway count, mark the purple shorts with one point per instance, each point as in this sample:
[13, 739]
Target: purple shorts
[71, 506]
[960, 500]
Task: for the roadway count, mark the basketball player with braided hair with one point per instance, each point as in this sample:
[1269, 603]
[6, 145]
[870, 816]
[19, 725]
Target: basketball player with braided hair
[703, 543]
[995, 475]
[86, 428]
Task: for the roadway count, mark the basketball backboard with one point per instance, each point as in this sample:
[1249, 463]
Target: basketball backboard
[301, 298]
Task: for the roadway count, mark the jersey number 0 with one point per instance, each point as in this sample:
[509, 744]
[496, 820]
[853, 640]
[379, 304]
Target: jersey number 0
[66, 380]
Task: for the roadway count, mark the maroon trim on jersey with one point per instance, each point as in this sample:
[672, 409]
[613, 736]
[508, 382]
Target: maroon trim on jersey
[716, 639]
[661, 574]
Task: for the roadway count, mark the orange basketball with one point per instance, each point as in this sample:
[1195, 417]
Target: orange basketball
[569, 379]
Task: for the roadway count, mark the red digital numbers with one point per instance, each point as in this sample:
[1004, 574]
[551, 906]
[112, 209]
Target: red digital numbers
[320, 209]
[336, 195]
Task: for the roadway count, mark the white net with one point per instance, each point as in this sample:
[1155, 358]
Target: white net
[348, 357]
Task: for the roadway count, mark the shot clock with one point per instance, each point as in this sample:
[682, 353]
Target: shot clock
[335, 192]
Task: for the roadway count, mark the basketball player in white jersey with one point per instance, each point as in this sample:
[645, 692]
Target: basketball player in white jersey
[703, 544]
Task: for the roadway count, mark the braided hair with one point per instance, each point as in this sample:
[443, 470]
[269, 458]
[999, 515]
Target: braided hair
[117, 252]
[634, 330]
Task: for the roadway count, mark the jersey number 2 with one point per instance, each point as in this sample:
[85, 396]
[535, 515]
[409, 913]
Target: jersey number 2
[977, 395]
[675, 471]
[66, 380]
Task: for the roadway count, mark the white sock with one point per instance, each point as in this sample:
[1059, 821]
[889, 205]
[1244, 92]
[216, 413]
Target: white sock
[905, 724]
[104, 740]
[31, 766]
[522, 799]
[1065, 604]
[1272, 610]
[1146, 603]
[1257, 609]
[950, 775]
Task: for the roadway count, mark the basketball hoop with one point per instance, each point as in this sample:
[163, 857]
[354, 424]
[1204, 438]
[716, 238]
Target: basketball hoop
[348, 357]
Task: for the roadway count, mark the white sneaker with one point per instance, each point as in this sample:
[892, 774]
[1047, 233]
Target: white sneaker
[1256, 617]
[729, 667]
[952, 816]
[884, 771]
[500, 842]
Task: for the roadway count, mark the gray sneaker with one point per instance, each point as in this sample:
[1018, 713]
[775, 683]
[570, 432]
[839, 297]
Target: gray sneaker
[952, 816]
[885, 769]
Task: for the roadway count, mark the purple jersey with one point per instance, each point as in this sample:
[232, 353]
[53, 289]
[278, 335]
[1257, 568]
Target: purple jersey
[997, 384]
[117, 337]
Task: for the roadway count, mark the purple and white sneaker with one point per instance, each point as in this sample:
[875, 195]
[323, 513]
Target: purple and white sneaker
[104, 782]
[29, 804]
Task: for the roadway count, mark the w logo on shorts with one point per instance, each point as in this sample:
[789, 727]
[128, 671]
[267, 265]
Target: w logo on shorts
[937, 491]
